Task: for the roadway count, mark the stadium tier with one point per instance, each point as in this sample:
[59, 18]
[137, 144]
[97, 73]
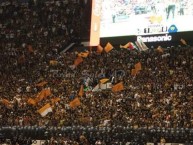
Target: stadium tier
[108, 90]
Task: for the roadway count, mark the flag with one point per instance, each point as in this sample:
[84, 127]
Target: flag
[183, 41]
[40, 96]
[43, 94]
[75, 102]
[41, 84]
[141, 45]
[159, 49]
[134, 46]
[96, 88]
[138, 66]
[125, 46]
[133, 72]
[83, 54]
[144, 47]
[118, 87]
[101, 86]
[5, 102]
[128, 45]
[138, 45]
[31, 101]
[47, 92]
[81, 91]
[104, 80]
[99, 49]
[53, 62]
[30, 49]
[45, 110]
[55, 100]
[108, 47]
[78, 60]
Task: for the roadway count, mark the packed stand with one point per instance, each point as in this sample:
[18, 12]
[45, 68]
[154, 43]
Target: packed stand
[47, 26]
[31, 32]
[160, 95]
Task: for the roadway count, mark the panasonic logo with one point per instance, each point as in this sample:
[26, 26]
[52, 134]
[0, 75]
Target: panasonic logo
[155, 38]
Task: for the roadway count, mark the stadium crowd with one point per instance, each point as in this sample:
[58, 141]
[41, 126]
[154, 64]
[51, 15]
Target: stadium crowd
[159, 95]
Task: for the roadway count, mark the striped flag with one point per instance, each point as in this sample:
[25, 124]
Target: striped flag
[104, 80]
[141, 45]
[45, 110]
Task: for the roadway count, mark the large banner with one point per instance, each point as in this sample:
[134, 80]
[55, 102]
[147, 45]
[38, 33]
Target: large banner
[142, 19]
[145, 17]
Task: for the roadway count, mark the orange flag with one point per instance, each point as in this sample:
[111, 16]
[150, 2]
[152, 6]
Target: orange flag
[47, 92]
[53, 62]
[133, 72]
[104, 80]
[108, 47]
[55, 100]
[31, 101]
[159, 49]
[78, 60]
[118, 87]
[41, 84]
[40, 96]
[5, 102]
[81, 91]
[43, 94]
[45, 110]
[183, 41]
[75, 102]
[138, 66]
[30, 49]
[99, 49]
[126, 45]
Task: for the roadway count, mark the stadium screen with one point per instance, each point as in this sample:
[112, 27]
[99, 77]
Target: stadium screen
[150, 20]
